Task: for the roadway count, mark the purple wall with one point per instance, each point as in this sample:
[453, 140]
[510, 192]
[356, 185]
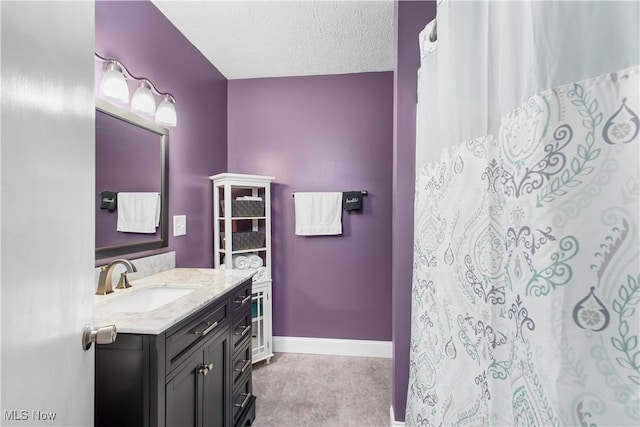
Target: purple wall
[410, 18]
[322, 133]
[136, 33]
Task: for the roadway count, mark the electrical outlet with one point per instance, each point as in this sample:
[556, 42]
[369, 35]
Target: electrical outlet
[179, 225]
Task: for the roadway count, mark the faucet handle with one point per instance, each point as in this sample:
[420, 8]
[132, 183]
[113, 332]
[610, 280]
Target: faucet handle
[103, 287]
[123, 283]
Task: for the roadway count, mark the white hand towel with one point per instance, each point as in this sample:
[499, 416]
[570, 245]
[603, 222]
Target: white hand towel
[261, 275]
[138, 212]
[318, 213]
[255, 261]
[240, 262]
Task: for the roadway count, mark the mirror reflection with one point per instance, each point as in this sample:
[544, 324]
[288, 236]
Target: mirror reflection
[131, 187]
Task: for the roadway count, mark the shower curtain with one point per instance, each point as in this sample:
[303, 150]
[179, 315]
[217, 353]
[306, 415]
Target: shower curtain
[526, 281]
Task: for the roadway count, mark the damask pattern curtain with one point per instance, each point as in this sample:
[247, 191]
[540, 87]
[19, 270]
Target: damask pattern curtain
[526, 284]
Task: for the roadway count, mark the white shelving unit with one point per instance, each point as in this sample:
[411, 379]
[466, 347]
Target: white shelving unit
[227, 187]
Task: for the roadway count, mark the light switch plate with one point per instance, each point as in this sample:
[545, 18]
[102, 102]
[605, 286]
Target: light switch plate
[179, 225]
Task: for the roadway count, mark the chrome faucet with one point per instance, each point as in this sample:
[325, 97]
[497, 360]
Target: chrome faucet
[105, 285]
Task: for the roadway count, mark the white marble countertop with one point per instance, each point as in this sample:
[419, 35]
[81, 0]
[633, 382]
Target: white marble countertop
[208, 284]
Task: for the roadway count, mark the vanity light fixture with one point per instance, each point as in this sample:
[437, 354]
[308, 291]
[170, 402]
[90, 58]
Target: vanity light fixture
[143, 102]
[166, 114]
[114, 88]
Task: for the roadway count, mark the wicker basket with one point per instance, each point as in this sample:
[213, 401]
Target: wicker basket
[245, 208]
[245, 240]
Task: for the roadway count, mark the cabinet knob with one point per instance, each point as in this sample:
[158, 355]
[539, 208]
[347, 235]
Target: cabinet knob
[247, 363]
[247, 396]
[241, 301]
[243, 331]
[204, 369]
[210, 326]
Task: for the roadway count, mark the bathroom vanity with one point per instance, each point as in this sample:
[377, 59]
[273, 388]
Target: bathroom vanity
[184, 363]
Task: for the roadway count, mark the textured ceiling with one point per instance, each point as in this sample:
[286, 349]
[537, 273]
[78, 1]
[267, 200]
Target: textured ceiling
[251, 39]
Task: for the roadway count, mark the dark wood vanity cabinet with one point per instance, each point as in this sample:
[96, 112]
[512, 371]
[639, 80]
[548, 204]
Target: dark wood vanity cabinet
[242, 399]
[197, 373]
[199, 390]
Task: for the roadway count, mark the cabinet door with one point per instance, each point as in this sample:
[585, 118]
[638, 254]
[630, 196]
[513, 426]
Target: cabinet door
[216, 389]
[182, 393]
[258, 327]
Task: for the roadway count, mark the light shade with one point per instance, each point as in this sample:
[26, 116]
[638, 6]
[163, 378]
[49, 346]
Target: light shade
[166, 114]
[113, 86]
[143, 101]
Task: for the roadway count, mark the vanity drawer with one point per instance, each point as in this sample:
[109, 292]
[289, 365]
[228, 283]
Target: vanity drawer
[180, 341]
[242, 398]
[241, 330]
[241, 363]
[241, 299]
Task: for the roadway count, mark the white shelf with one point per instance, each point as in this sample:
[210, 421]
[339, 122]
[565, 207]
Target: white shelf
[243, 251]
[240, 218]
[241, 180]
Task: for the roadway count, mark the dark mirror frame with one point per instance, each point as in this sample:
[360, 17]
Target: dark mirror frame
[163, 134]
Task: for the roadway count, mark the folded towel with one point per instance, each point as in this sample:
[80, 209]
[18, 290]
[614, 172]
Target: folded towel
[138, 212]
[318, 213]
[352, 200]
[240, 262]
[261, 275]
[254, 198]
[108, 200]
[255, 261]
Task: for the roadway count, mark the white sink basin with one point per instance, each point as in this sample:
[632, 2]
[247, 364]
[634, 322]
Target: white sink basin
[145, 299]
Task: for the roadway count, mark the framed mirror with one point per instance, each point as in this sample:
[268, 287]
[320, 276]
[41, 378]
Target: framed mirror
[131, 157]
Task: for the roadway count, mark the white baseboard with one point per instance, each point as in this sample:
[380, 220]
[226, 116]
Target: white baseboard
[332, 346]
[393, 422]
